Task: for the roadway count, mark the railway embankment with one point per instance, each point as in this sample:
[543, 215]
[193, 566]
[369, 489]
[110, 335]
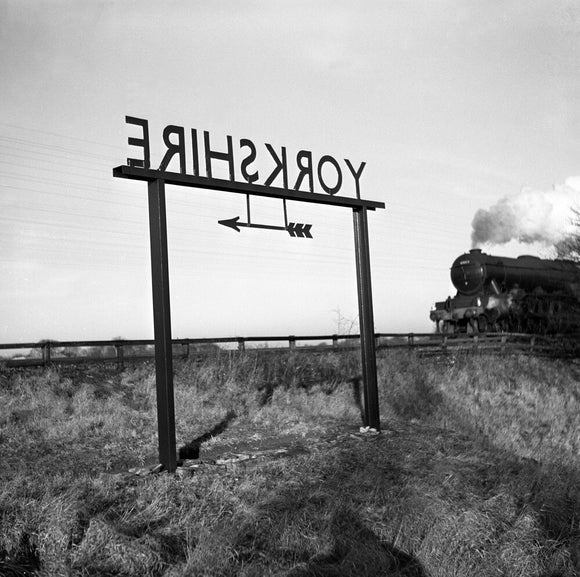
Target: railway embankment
[474, 471]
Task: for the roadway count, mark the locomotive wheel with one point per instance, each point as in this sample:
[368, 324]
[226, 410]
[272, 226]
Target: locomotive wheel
[501, 326]
[472, 327]
[447, 327]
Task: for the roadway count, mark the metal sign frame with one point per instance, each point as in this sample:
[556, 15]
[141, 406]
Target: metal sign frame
[156, 181]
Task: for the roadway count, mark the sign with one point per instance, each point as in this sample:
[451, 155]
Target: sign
[324, 174]
[324, 178]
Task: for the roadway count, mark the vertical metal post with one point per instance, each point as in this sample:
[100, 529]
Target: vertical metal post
[162, 325]
[365, 313]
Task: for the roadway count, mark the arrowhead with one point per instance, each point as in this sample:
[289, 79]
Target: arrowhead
[291, 230]
[231, 222]
[306, 230]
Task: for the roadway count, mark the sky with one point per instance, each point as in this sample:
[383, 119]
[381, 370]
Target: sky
[459, 108]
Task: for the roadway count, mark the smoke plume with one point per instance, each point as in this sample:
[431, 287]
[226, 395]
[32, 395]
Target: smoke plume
[529, 216]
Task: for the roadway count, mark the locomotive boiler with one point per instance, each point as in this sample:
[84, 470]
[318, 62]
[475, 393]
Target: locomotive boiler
[523, 294]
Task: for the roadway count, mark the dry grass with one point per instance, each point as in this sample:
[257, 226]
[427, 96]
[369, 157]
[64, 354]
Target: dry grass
[475, 472]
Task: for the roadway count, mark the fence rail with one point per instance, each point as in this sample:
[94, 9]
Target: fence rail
[98, 351]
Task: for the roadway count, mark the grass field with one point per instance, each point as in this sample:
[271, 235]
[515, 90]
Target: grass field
[475, 471]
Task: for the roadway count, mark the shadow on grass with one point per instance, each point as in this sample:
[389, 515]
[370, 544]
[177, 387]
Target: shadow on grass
[549, 488]
[191, 450]
[313, 522]
[552, 491]
[24, 562]
[357, 388]
[357, 551]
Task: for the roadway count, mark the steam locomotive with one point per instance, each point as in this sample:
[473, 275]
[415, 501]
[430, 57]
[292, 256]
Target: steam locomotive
[524, 294]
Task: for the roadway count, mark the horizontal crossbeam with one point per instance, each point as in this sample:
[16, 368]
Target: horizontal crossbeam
[179, 179]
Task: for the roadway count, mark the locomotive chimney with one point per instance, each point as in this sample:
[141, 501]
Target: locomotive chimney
[475, 251]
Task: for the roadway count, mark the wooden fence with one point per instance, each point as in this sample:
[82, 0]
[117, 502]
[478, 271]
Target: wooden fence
[125, 351]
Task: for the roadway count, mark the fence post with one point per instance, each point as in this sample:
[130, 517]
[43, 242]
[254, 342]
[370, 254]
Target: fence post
[334, 341]
[475, 343]
[186, 354]
[411, 340]
[119, 353]
[241, 344]
[46, 353]
[444, 343]
[503, 343]
[292, 342]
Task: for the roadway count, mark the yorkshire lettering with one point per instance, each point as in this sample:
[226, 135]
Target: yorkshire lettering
[302, 171]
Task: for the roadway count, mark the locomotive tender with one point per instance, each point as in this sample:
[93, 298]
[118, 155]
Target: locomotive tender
[523, 294]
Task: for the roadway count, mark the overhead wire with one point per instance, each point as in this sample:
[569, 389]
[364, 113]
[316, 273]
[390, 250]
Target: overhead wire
[50, 151]
[37, 130]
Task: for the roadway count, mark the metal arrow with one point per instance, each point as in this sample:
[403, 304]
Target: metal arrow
[295, 229]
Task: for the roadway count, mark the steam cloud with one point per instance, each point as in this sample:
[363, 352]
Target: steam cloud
[529, 216]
